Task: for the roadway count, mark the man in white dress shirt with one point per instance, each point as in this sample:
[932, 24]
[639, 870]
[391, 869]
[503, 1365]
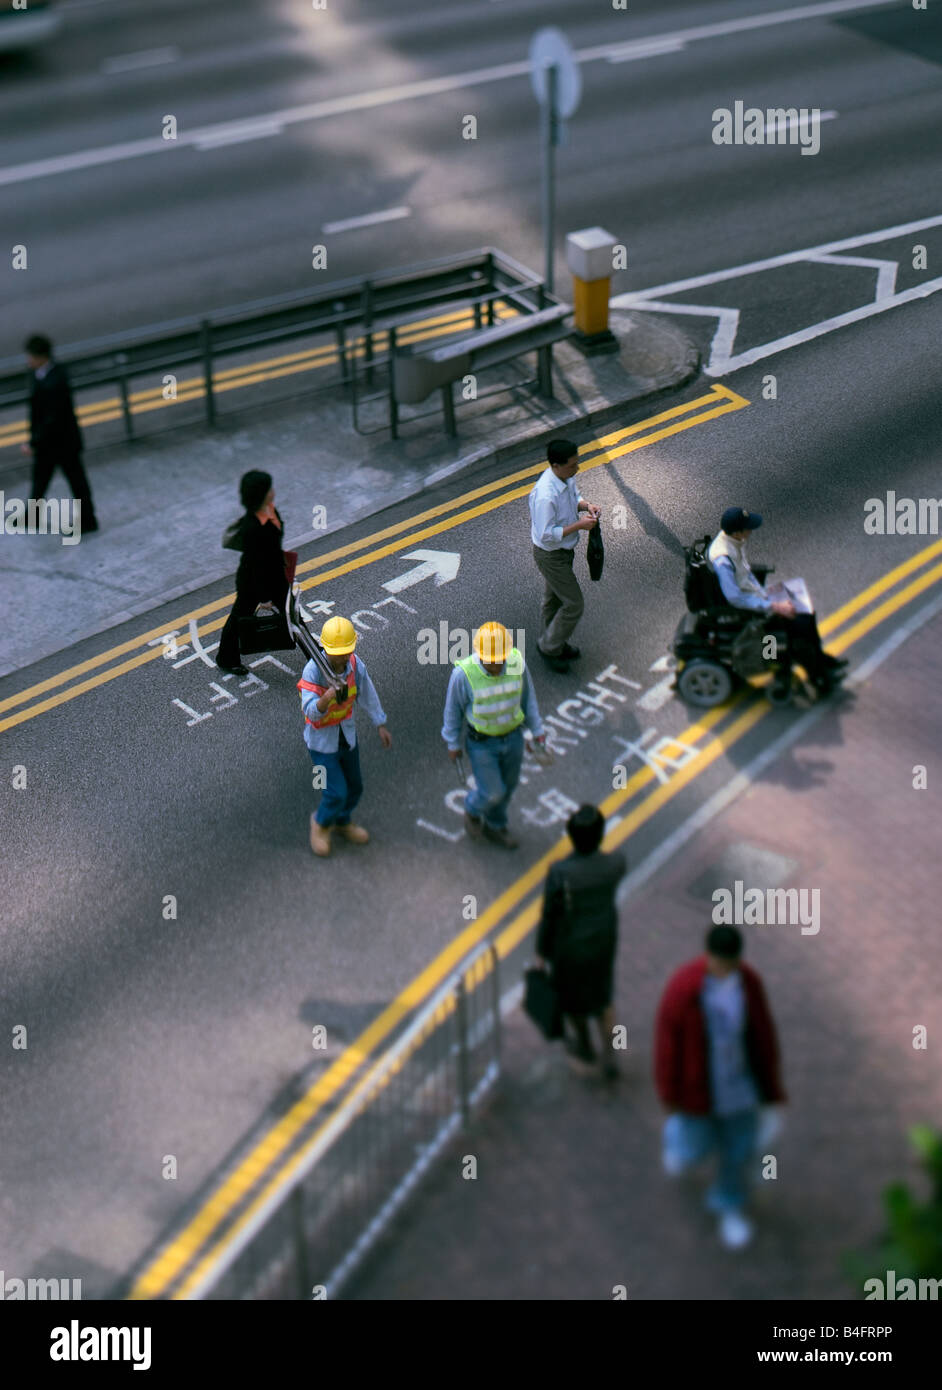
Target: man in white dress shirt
[555, 523]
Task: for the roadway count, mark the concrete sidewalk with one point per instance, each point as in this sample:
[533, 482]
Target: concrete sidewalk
[164, 501]
[570, 1199]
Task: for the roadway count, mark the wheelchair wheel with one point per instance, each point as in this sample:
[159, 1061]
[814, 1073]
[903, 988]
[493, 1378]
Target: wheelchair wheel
[704, 683]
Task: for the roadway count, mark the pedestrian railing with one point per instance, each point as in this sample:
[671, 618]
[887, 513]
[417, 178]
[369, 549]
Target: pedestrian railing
[353, 315]
[348, 1180]
[418, 369]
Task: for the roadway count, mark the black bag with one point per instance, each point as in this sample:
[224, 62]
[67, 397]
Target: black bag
[233, 537]
[541, 1002]
[595, 552]
[265, 631]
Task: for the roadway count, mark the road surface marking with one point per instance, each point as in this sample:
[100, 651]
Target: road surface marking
[387, 96]
[187, 1244]
[238, 134]
[715, 277]
[722, 359]
[147, 58]
[370, 219]
[609, 446]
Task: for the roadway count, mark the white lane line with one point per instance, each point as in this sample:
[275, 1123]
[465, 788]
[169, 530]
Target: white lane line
[645, 48]
[741, 26]
[817, 330]
[625, 301]
[363, 101]
[886, 279]
[740, 783]
[370, 219]
[147, 58]
[235, 135]
[798, 122]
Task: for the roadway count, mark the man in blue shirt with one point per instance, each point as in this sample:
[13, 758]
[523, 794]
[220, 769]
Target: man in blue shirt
[555, 523]
[492, 690]
[330, 731]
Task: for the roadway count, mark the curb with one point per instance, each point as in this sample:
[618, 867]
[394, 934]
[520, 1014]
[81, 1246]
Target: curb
[596, 412]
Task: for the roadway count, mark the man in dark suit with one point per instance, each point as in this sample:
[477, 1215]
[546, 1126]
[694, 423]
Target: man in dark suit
[55, 438]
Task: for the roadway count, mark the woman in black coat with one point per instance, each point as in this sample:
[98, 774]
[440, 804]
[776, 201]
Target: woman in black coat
[578, 933]
[261, 576]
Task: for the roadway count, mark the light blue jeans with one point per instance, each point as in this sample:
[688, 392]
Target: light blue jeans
[688, 1139]
[495, 763]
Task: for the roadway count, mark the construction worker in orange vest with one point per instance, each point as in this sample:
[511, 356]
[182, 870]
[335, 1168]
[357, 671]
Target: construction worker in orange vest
[330, 733]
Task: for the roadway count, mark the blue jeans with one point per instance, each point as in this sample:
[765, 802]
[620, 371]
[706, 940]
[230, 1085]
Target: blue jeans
[344, 784]
[688, 1139]
[495, 763]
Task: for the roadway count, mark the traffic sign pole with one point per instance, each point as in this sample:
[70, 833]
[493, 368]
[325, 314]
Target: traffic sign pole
[548, 113]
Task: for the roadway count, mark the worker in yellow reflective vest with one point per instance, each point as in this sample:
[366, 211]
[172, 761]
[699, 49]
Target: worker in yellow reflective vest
[493, 691]
[330, 732]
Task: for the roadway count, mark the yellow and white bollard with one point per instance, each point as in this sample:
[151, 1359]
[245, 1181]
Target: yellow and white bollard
[589, 257]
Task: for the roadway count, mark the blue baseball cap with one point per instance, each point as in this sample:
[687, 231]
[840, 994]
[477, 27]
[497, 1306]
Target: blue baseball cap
[738, 519]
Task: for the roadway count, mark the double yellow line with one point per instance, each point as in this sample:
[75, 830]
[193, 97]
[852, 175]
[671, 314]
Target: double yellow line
[87, 675]
[251, 374]
[186, 1260]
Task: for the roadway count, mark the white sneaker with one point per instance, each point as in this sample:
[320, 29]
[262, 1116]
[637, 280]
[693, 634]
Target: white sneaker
[735, 1230]
[673, 1163]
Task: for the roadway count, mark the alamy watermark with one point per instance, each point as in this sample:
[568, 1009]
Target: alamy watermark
[902, 516]
[768, 907]
[41, 516]
[12, 1289]
[776, 125]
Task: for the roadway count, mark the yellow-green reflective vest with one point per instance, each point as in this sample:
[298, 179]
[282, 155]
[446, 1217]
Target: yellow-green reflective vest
[495, 700]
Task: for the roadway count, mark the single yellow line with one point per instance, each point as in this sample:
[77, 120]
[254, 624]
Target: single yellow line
[156, 653]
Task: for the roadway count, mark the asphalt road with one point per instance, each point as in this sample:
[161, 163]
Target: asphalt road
[150, 1036]
[187, 228]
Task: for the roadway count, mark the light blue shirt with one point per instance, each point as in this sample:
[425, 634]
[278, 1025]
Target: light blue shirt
[328, 740]
[739, 598]
[459, 698]
[554, 503]
[724, 1007]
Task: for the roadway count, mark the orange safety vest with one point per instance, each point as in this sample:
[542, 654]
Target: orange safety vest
[337, 713]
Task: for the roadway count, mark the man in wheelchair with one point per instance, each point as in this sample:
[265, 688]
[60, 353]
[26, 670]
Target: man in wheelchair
[724, 636]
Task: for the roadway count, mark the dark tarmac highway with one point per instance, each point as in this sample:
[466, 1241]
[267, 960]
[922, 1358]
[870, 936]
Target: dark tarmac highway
[152, 1035]
[144, 236]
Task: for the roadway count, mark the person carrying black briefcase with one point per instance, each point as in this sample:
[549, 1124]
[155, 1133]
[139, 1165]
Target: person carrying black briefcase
[261, 579]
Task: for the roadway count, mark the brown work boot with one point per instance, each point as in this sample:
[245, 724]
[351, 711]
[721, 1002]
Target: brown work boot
[320, 839]
[500, 836]
[354, 833]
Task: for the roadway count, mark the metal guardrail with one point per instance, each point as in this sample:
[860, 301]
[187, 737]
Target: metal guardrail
[418, 370]
[366, 304]
[363, 1162]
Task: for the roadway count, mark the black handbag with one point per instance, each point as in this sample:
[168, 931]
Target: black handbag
[595, 552]
[265, 631]
[541, 1002]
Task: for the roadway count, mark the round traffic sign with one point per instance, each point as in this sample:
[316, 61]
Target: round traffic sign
[550, 48]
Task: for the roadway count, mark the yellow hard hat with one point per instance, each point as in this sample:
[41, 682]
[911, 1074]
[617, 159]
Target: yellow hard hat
[493, 643]
[338, 636]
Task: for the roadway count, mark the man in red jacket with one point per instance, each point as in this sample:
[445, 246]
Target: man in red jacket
[716, 1061]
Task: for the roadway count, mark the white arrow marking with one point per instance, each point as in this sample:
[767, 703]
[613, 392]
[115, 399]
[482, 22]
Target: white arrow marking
[442, 563]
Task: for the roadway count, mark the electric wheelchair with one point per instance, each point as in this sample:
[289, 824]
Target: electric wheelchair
[718, 647]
